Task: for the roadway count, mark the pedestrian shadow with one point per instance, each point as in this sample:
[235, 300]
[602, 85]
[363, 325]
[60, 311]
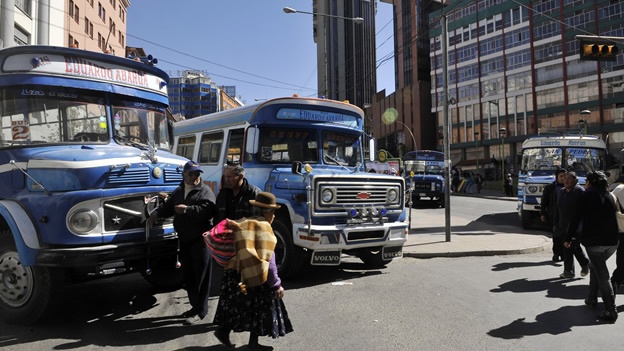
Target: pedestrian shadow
[511, 265]
[556, 322]
[554, 288]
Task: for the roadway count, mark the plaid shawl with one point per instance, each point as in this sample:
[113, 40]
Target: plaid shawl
[254, 242]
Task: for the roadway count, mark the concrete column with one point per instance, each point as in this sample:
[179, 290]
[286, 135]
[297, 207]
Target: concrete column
[7, 23]
[43, 23]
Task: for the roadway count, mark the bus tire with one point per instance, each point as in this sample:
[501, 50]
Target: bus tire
[27, 294]
[288, 257]
[527, 220]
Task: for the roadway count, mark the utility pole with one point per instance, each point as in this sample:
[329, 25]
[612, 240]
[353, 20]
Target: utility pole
[447, 144]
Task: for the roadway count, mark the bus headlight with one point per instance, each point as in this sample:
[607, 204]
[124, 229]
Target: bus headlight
[82, 221]
[392, 195]
[532, 189]
[327, 196]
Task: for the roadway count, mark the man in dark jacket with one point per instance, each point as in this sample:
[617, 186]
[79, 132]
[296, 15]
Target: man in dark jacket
[233, 199]
[567, 210]
[193, 206]
[548, 206]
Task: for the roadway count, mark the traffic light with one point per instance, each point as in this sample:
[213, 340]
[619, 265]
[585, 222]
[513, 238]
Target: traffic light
[598, 49]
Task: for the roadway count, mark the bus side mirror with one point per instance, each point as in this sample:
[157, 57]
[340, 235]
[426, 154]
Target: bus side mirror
[371, 150]
[252, 140]
[296, 167]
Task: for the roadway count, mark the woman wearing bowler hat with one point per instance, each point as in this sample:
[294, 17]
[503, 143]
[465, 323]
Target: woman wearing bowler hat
[251, 291]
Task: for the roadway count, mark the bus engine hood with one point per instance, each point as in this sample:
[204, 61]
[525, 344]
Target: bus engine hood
[100, 167]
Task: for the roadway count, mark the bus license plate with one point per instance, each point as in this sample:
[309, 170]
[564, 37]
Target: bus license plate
[391, 252]
[327, 258]
[422, 194]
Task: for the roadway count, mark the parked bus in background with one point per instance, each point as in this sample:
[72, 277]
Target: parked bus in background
[84, 154]
[308, 152]
[427, 179]
[542, 155]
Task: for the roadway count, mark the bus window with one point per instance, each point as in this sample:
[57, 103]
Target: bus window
[235, 145]
[210, 148]
[186, 146]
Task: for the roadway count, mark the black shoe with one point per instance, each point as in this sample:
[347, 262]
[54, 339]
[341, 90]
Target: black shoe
[609, 315]
[591, 302]
[224, 337]
[259, 347]
[585, 271]
[189, 313]
[566, 274]
[556, 258]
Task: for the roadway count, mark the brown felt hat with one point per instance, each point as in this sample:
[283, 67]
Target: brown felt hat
[265, 200]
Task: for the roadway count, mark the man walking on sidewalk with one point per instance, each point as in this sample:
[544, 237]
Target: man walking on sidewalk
[548, 206]
[567, 211]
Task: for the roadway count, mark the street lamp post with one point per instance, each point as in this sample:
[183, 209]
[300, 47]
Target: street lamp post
[414, 147]
[476, 134]
[502, 133]
[358, 20]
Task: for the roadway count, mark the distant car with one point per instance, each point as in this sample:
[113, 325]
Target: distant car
[617, 182]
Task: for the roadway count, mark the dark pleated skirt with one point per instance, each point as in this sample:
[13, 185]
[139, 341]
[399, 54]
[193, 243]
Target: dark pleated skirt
[256, 311]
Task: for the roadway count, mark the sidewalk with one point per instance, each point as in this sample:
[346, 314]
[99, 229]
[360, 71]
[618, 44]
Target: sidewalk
[427, 237]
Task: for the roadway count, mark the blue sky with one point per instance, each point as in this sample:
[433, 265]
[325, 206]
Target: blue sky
[251, 44]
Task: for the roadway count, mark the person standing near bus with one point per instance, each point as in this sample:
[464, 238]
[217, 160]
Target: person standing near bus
[192, 206]
[599, 235]
[548, 206]
[233, 198]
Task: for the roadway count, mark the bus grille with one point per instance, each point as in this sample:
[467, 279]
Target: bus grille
[125, 213]
[126, 176]
[350, 192]
[173, 175]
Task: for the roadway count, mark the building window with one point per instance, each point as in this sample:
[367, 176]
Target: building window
[122, 14]
[102, 12]
[113, 2]
[23, 5]
[90, 2]
[88, 28]
[21, 37]
[111, 26]
[122, 39]
[72, 42]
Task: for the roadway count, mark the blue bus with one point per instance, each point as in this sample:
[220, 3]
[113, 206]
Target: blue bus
[424, 174]
[309, 153]
[542, 155]
[84, 156]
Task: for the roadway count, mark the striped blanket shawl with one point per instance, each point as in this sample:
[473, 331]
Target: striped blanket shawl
[254, 242]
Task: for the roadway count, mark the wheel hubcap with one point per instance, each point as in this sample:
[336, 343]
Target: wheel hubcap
[15, 280]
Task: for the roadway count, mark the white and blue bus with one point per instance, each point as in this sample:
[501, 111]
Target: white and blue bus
[84, 154]
[424, 173]
[542, 155]
[309, 153]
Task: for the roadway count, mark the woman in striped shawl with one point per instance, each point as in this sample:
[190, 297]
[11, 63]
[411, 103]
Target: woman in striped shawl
[251, 291]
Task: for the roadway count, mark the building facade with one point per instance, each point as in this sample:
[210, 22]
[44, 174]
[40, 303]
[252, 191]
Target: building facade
[345, 49]
[514, 70]
[395, 118]
[87, 24]
[194, 94]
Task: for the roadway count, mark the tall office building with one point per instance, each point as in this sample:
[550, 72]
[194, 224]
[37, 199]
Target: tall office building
[346, 49]
[86, 24]
[514, 70]
[402, 121]
[194, 94]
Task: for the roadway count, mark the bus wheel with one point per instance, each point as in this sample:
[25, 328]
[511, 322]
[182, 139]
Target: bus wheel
[288, 257]
[373, 258]
[27, 294]
[527, 220]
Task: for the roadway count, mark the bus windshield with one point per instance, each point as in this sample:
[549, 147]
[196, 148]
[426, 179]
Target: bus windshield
[288, 145]
[341, 149]
[544, 161]
[60, 115]
[421, 167]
